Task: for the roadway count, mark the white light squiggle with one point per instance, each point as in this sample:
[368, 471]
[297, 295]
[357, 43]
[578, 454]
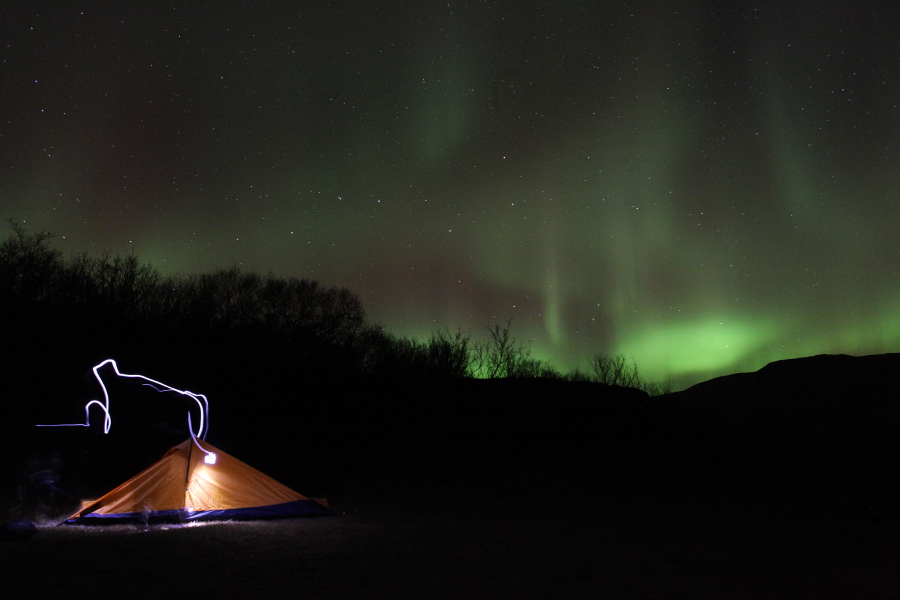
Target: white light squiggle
[210, 457]
[200, 399]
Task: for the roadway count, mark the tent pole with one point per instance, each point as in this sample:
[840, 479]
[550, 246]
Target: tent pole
[187, 476]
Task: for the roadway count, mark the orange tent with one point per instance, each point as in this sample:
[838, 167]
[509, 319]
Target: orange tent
[182, 486]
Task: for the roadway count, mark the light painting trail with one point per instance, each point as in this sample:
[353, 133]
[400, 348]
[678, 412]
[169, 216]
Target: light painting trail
[210, 457]
[200, 399]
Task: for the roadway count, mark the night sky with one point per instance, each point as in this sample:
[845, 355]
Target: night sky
[703, 186]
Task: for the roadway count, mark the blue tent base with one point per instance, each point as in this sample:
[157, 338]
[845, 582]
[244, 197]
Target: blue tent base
[298, 508]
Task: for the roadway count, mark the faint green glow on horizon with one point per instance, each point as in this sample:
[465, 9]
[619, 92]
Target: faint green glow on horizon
[701, 345]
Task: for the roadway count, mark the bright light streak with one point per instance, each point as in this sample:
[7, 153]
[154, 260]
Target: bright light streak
[200, 399]
[210, 457]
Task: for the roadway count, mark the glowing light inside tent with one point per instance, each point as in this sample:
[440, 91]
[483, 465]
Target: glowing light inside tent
[200, 399]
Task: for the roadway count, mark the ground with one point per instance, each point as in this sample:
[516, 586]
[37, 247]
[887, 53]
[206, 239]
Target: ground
[779, 484]
[542, 546]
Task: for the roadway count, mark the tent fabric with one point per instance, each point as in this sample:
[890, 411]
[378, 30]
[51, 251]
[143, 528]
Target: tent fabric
[181, 486]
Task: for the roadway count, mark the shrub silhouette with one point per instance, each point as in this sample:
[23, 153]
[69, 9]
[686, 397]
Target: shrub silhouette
[105, 290]
[501, 357]
[294, 322]
[616, 370]
[28, 266]
[444, 355]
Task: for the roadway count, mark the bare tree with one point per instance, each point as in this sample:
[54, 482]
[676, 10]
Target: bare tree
[500, 356]
[617, 370]
[28, 266]
[449, 354]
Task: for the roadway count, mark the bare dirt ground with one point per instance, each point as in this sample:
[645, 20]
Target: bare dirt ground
[537, 548]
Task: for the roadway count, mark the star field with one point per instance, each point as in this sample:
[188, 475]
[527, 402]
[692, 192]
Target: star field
[704, 186]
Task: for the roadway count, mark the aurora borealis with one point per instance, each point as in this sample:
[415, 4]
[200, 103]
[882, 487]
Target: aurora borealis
[703, 186]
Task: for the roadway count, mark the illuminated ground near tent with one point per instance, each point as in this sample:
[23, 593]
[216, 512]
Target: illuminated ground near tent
[500, 550]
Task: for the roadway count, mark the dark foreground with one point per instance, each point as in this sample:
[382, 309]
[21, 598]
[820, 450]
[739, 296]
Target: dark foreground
[776, 484]
[546, 547]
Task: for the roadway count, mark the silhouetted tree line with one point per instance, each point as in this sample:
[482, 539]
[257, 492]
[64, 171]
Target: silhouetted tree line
[316, 324]
[122, 288]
